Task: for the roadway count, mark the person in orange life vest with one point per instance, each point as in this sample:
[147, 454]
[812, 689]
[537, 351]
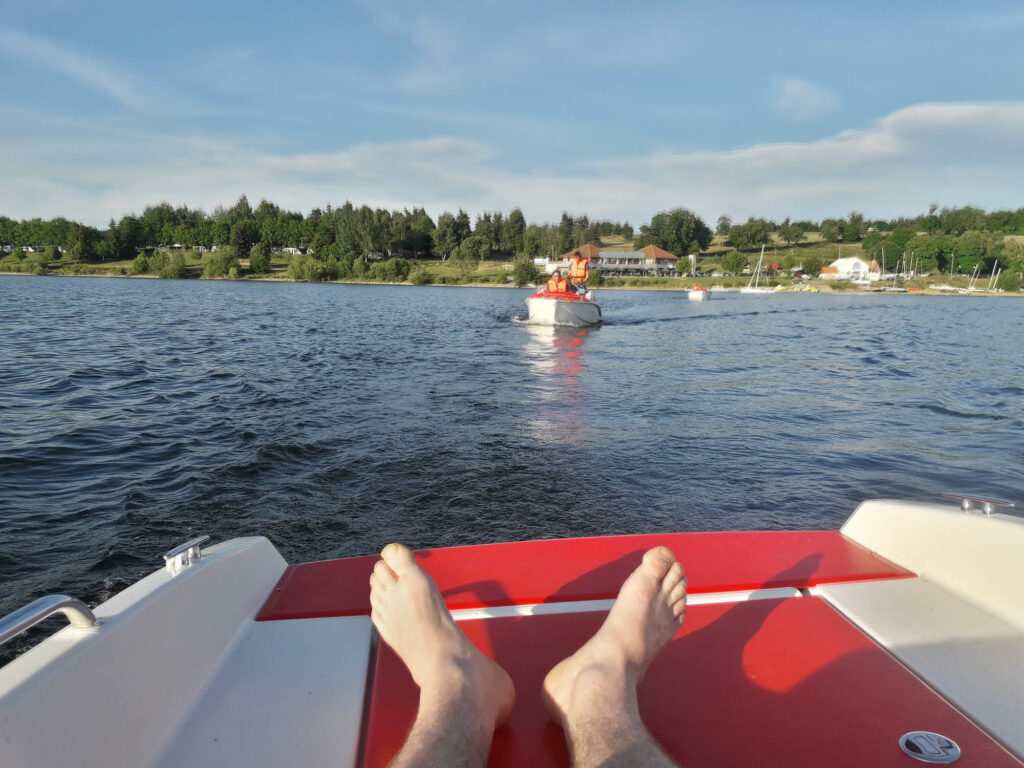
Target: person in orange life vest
[557, 282]
[579, 271]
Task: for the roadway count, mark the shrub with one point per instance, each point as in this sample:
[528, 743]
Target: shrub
[174, 269]
[157, 262]
[420, 277]
[1009, 281]
[524, 271]
[141, 265]
[221, 264]
[259, 258]
[307, 267]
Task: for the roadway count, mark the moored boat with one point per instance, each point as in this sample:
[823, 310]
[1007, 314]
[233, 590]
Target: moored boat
[900, 636]
[754, 286]
[563, 308]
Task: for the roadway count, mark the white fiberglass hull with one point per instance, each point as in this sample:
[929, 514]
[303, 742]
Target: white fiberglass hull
[699, 295]
[557, 312]
[757, 291]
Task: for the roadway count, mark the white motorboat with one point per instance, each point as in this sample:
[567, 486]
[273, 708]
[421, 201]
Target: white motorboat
[698, 293]
[563, 308]
[899, 637]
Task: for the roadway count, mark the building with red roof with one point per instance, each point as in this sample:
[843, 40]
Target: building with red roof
[649, 261]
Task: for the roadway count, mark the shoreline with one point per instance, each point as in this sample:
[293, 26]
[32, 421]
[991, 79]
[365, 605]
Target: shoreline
[666, 288]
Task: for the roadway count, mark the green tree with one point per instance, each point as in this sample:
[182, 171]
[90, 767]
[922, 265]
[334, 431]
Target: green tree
[115, 242]
[901, 236]
[449, 234]
[792, 234]
[832, 230]
[259, 258]
[734, 262]
[81, 243]
[472, 250]
[679, 231]
[244, 233]
[723, 225]
[812, 265]
[854, 227]
[924, 251]
[957, 221]
[524, 270]
[970, 250]
[515, 229]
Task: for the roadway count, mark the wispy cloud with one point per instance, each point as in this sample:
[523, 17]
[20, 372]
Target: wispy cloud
[801, 100]
[955, 153]
[47, 54]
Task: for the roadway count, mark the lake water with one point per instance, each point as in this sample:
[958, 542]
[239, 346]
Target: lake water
[135, 414]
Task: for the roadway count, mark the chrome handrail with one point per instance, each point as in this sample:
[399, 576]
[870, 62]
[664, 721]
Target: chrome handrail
[987, 505]
[78, 613]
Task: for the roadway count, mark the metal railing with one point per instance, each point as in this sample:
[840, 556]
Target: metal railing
[78, 613]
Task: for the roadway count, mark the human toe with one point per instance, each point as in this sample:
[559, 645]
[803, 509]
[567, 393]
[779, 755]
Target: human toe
[658, 561]
[675, 576]
[383, 574]
[398, 558]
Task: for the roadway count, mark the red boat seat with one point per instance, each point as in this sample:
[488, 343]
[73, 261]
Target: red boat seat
[565, 570]
[769, 683]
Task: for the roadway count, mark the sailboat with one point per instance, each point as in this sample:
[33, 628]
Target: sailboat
[754, 285]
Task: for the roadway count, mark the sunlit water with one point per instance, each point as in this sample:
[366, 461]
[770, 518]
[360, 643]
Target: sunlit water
[136, 414]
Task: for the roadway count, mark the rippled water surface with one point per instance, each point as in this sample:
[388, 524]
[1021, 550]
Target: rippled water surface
[334, 418]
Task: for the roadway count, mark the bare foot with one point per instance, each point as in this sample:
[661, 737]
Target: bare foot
[411, 616]
[646, 615]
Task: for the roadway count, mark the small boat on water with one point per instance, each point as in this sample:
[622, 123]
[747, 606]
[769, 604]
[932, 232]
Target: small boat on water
[895, 641]
[563, 308]
[754, 286]
[698, 293]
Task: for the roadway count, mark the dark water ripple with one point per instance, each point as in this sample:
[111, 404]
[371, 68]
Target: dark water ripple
[136, 414]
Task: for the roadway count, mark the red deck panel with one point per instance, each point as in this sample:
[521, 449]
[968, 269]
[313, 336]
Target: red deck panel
[770, 683]
[561, 570]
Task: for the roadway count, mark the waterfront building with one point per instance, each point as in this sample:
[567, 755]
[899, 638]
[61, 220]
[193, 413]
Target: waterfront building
[853, 269]
[649, 261]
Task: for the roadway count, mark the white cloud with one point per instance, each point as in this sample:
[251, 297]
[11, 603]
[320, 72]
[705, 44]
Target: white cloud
[800, 99]
[40, 52]
[953, 153]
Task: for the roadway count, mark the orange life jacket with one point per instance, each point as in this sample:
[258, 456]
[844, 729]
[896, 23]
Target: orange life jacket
[579, 269]
[557, 284]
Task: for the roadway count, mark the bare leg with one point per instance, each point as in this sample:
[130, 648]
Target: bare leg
[592, 694]
[464, 695]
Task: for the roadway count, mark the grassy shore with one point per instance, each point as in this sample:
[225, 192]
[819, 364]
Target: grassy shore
[499, 273]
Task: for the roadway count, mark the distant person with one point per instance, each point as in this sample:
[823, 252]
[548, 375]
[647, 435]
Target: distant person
[465, 695]
[557, 282]
[579, 271]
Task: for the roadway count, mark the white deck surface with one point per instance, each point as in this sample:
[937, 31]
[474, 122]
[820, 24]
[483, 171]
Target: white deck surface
[289, 694]
[972, 658]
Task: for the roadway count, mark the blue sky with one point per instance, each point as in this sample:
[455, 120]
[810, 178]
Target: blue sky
[784, 109]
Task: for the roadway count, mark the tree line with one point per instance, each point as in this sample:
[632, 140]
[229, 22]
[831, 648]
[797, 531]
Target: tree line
[345, 241]
[346, 231]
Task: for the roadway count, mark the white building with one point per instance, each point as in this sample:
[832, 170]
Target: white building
[852, 269]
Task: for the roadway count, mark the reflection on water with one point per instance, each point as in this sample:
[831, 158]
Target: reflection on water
[557, 357]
